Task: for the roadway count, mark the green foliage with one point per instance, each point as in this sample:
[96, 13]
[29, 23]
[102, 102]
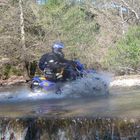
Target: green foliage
[69, 23]
[16, 71]
[6, 70]
[9, 70]
[54, 2]
[76, 28]
[126, 55]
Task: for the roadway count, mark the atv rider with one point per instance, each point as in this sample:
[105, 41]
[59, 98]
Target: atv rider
[55, 66]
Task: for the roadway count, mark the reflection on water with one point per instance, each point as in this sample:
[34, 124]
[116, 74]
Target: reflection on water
[119, 103]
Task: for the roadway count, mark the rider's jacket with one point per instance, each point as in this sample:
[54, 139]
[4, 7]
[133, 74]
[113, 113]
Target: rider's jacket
[52, 63]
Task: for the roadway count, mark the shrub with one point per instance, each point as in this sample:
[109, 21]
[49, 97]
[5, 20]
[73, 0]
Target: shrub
[125, 57]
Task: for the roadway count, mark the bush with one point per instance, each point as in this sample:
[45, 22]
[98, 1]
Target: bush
[9, 70]
[6, 70]
[125, 57]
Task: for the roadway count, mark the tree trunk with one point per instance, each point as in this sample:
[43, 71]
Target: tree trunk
[22, 30]
[23, 47]
[121, 15]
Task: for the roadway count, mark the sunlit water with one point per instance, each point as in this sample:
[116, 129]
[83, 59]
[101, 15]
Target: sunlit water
[20, 101]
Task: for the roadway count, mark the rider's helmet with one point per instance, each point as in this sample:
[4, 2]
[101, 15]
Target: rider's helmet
[57, 48]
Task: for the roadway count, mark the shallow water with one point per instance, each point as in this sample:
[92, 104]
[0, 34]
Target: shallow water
[21, 102]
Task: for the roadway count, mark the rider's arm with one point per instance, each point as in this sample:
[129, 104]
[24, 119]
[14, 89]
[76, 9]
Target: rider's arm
[65, 61]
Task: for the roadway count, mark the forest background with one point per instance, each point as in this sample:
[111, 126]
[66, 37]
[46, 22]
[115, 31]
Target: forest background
[103, 34]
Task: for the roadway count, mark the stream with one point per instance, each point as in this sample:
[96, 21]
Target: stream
[27, 115]
[21, 102]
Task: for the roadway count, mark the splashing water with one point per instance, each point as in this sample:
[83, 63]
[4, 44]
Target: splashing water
[95, 84]
[92, 85]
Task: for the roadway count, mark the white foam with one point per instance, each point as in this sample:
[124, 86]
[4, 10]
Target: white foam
[91, 85]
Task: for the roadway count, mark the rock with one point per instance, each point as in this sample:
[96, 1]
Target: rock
[4, 61]
[13, 80]
[125, 81]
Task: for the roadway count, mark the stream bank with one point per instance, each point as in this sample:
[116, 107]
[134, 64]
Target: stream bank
[116, 81]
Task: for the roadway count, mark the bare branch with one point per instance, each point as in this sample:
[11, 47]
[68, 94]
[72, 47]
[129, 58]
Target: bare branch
[130, 8]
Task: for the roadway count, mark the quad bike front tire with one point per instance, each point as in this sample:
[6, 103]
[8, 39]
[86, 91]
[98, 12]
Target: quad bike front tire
[35, 87]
